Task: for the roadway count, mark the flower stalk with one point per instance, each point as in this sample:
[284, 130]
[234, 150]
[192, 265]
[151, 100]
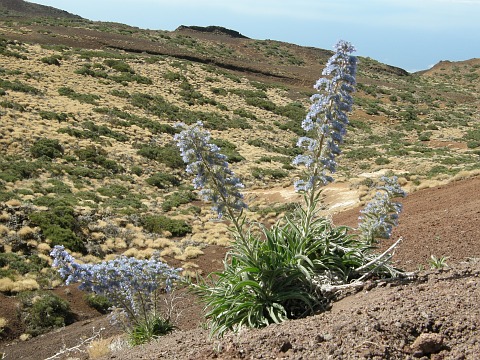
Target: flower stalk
[325, 125]
[129, 284]
[213, 177]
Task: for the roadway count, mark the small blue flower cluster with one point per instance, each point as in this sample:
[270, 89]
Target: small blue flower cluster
[217, 182]
[380, 215]
[327, 119]
[128, 283]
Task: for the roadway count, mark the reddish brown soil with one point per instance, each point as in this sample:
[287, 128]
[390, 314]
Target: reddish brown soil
[436, 316]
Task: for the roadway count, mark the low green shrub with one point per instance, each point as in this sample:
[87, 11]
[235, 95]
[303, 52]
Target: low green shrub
[232, 77]
[245, 113]
[473, 138]
[102, 130]
[113, 190]
[19, 86]
[88, 195]
[158, 224]
[98, 302]
[382, 161]
[83, 98]
[259, 173]
[95, 155]
[229, 150]
[13, 169]
[124, 94]
[22, 264]
[137, 170]
[87, 70]
[192, 96]
[425, 136]
[167, 155]
[261, 103]
[173, 76]
[5, 51]
[216, 121]
[156, 105]
[52, 60]
[363, 153]
[59, 225]
[6, 195]
[81, 172]
[286, 208]
[294, 111]
[43, 311]
[126, 77]
[290, 151]
[145, 123]
[49, 148]
[162, 180]
[472, 144]
[219, 91]
[294, 126]
[58, 187]
[119, 65]
[51, 115]
[62, 236]
[176, 199]
[12, 105]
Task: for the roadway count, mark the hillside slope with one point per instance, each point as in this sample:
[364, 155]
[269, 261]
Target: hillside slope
[20, 8]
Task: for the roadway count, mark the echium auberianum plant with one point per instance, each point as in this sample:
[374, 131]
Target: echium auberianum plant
[381, 214]
[217, 183]
[326, 124]
[287, 271]
[136, 288]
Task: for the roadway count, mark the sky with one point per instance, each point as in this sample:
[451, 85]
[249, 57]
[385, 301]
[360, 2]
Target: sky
[411, 34]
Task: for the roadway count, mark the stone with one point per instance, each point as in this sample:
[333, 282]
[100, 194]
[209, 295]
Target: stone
[427, 343]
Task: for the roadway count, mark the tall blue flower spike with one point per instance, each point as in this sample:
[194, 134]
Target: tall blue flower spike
[217, 183]
[327, 119]
[380, 215]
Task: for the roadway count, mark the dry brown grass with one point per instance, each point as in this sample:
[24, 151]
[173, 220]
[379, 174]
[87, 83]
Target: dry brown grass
[3, 324]
[171, 251]
[26, 232]
[25, 284]
[99, 348]
[4, 216]
[4, 230]
[13, 203]
[190, 252]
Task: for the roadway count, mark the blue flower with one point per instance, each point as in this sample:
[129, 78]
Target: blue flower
[380, 215]
[326, 121]
[213, 176]
[128, 283]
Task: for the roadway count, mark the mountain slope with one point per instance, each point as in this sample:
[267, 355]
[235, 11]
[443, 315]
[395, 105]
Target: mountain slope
[20, 8]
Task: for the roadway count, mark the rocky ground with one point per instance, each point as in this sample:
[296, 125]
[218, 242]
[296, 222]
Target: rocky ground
[435, 316]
